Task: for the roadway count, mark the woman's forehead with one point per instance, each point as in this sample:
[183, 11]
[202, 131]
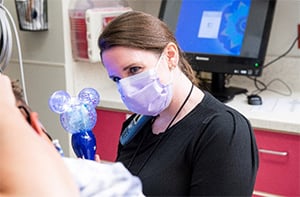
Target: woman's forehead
[122, 57]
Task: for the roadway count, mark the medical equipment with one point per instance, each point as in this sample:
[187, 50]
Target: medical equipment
[87, 20]
[6, 43]
[133, 128]
[32, 15]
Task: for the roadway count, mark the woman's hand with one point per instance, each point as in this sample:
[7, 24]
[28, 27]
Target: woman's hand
[97, 158]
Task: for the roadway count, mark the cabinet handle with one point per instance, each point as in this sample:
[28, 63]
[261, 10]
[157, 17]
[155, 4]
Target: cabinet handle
[272, 152]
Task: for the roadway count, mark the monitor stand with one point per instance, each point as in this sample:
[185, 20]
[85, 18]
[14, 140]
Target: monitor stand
[222, 93]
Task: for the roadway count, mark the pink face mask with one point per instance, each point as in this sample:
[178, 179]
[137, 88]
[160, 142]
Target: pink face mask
[144, 94]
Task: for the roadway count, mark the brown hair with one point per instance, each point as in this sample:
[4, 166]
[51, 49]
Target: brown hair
[135, 29]
[18, 91]
[19, 95]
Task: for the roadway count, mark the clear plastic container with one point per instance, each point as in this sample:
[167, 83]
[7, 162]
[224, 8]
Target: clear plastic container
[78, 28]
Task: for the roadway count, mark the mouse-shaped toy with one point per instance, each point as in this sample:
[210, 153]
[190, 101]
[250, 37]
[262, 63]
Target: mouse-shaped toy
[78, 116]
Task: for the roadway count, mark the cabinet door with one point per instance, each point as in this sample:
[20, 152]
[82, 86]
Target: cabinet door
[107, 133]
[279, 168]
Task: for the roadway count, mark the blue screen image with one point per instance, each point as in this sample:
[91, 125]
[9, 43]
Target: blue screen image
[212, 26]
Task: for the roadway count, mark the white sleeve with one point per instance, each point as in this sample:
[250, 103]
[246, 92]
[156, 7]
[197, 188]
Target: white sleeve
[103, 179]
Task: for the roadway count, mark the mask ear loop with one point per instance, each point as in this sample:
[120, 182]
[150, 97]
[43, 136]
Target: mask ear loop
[158, 61]
[172, 76]
[172, 70]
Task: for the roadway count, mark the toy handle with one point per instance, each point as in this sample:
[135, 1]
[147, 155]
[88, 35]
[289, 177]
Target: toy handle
[84, 145]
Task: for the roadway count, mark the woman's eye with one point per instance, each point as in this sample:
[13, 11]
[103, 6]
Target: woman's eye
[116, 79]
[134, 70]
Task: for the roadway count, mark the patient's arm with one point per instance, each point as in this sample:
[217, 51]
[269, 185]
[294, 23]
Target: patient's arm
[29, 165]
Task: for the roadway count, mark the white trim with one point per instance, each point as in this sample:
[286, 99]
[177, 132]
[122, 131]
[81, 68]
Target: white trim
[265, 194]
[41, 63]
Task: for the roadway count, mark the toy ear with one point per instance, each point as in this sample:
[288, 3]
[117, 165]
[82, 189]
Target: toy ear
[89, 96]
[59, 101]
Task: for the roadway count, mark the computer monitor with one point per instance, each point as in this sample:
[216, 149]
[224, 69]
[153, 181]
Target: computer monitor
[223, 37]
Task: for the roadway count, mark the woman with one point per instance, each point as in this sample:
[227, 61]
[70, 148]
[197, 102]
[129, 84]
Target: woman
[192, 144]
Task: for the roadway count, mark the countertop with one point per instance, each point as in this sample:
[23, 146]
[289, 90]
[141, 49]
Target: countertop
[277, 113]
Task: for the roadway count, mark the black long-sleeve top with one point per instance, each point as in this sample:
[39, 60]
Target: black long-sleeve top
[211, 151]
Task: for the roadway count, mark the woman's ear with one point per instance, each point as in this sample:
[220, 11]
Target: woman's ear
[172, 55]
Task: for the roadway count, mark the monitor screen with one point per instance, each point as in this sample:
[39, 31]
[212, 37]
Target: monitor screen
[221, 36]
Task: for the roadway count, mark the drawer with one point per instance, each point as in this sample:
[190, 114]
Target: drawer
[279, 168]
[107, 132]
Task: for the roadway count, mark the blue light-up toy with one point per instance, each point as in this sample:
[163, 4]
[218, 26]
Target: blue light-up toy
[78, 116]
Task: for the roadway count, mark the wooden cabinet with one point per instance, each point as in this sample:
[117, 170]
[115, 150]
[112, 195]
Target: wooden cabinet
[107, 132]
[279, 168]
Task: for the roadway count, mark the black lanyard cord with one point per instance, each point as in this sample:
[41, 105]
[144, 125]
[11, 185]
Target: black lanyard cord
[160, 138]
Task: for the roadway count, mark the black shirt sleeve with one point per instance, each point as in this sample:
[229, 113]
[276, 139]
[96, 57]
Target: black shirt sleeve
[225, 158]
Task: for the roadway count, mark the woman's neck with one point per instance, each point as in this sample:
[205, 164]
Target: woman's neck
[182, 88]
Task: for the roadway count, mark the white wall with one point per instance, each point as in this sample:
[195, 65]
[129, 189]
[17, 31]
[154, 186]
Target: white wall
[284, 30]
[283, 33]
